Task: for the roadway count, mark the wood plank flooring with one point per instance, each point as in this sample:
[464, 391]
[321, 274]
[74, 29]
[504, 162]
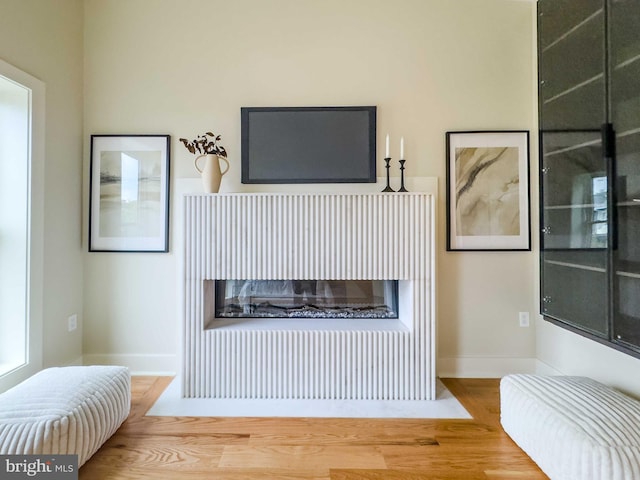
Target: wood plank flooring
[176, 448]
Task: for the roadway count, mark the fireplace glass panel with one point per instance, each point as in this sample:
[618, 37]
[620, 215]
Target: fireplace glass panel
[306, 298]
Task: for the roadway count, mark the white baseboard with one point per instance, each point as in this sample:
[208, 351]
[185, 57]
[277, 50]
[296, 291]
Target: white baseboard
[447, 367]
[545, 369]
[76, 362]
[484, 367]
[138, 364]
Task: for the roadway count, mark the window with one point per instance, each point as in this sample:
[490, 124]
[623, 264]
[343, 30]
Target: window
[21, 167]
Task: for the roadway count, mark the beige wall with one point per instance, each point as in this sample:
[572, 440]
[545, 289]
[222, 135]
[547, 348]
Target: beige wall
[429, 65]
[185, 66]
[44, 39]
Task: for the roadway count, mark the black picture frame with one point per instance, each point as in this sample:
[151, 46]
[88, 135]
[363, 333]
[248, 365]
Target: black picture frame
[488, 190]
[129, 193]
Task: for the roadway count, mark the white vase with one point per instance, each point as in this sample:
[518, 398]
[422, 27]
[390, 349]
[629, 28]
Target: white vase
[211, 172]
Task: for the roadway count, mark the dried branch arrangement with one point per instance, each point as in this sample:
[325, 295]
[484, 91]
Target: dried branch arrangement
[206, 143]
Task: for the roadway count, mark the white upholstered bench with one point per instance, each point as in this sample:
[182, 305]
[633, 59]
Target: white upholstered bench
[574, 428]
[67, 410]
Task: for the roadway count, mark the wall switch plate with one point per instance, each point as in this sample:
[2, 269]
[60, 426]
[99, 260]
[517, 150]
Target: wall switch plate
[72, 322]
[523, 318]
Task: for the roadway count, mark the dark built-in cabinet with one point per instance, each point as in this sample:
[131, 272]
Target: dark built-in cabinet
[589, 107]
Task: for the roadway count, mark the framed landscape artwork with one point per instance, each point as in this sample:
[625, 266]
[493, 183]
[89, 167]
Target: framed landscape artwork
[488, 190]
[129, 193]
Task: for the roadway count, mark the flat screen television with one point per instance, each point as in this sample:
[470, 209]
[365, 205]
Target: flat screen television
[308, 144]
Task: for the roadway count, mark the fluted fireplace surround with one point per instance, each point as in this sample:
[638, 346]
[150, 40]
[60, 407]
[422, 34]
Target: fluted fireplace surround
[309, 236]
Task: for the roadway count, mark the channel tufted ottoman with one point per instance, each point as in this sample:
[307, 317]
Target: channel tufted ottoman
[66, 410]
[574, 428]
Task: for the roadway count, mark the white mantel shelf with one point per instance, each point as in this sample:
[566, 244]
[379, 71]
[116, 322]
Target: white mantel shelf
[333, 236]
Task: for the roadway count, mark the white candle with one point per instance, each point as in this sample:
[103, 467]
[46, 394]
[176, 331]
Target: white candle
[386, 150]
[401, 148]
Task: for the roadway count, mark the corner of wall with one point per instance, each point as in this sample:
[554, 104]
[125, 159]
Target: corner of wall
[484, 366]
[138, 364]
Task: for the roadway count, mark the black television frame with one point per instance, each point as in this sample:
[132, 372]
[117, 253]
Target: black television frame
[245, 154]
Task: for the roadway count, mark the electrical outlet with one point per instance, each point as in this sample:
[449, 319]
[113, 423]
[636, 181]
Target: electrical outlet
[72, 322]
[523, 318]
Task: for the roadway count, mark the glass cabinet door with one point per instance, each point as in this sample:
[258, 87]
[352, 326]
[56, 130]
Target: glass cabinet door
[624, 19]
[574, 179]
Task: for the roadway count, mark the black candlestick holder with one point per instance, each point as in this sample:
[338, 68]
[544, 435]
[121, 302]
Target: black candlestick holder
[402, 189]
[388, 188]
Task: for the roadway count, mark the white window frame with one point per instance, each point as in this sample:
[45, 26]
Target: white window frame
[35, 225]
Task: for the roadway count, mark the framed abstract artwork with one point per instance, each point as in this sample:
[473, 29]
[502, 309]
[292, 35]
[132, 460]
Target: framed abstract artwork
[129, 193]
[488, 204]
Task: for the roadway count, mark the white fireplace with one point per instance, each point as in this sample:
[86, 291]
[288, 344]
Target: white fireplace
[316, 239]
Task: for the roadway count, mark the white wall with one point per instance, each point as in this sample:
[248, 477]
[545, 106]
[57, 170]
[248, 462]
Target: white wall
[44, 39]
[571, 354]
[429, 65]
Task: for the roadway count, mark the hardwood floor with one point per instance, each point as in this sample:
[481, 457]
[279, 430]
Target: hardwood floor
[313, 448]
